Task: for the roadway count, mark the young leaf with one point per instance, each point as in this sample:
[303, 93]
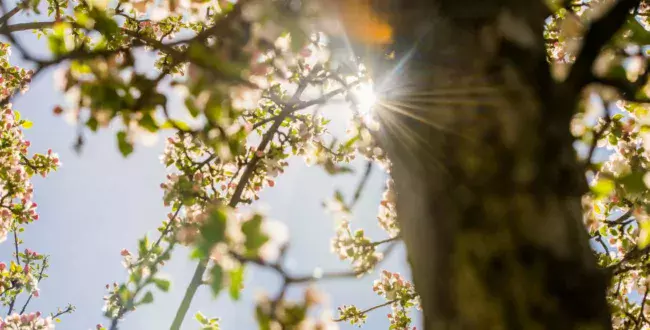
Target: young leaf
[236, 282]
[147, 299]
[162, 284]
[255, 237]
[216, 279]
[126, 148]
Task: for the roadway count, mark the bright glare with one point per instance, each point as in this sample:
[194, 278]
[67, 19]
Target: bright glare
[366, 98]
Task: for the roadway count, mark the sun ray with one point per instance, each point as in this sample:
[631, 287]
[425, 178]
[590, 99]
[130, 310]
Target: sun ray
[463, 91]
[410, 141]
[396, 108]
[412, 102]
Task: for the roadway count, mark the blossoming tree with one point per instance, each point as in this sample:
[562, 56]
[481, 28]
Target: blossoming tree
[253, 76]
[20, 276]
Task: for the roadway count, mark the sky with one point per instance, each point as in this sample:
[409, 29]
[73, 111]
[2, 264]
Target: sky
[98, 203]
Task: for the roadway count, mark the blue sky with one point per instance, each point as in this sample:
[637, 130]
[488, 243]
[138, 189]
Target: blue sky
[99, 202]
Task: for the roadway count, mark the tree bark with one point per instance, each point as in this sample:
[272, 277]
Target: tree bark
[488, 185]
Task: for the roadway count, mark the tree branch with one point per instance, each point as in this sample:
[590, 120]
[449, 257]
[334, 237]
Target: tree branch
[599, 34]
[28, 26]
[189, 294]
[197, 280]
[361, 185]
[6, 17]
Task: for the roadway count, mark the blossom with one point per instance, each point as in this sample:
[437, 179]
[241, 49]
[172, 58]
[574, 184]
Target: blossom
[617, 164]
[278, 234]
[387, 214]
[31, 321]
[245, 97]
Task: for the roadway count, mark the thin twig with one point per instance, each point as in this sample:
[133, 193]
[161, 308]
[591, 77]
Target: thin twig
[44, 266]
[365, 311]
[16, 245]
[361, 185]
[67, 310]
[599, 134]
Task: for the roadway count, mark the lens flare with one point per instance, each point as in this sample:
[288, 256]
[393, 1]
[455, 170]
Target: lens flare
[366, 98]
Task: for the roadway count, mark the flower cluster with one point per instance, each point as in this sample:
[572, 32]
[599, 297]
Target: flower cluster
[16, 169]
[399, 294]
[354, 246]
[393, 287]
[15, 279]
[12, 78]
[31, 321]
[143, 273]
[17, 208]
[352, 314]
[387, 214]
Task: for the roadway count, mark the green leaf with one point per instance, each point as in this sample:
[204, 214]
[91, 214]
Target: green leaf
[93, 124]
[603, 187]
[216, 279]
[148, 122]
[633, 183]
[126, 148]
[236, 282]
[214, 229]
[263, 319]
[104, 24]
[255, 237]
[173, 123]
[212, 232]
[198, 253]
[162, 284]
[147, 299]
[338, 195]
[201, 318]
[27, 124]
[194, 111]
[143, 246]
[637, 33]
[612, 139]
[644, 234]
[214, 112]
[350, 142]
[56, 40]
[603, 231]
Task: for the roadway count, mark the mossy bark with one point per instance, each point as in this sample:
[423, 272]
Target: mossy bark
[488, 185]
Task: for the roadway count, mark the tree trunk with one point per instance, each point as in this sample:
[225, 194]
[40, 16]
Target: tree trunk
[488, 185]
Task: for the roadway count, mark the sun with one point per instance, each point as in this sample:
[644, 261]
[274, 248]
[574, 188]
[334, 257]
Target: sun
[366, 98]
